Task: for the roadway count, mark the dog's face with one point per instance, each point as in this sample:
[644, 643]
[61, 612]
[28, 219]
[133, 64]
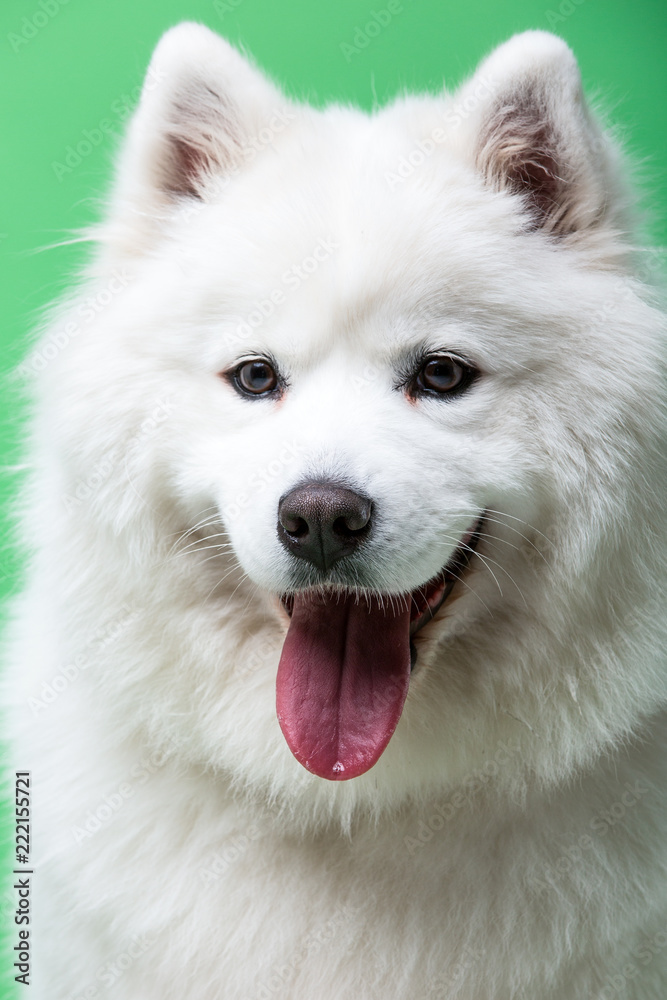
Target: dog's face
[373, 428]
[395, 383]
[374, 376]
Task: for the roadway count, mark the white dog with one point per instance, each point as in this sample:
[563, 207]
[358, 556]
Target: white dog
[340, 666]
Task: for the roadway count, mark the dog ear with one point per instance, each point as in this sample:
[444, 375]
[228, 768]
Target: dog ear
[529, 132]
[201, 110]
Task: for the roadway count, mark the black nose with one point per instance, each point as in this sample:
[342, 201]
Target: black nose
[323, 522]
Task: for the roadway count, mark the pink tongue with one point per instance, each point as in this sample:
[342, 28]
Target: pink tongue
[342, 680]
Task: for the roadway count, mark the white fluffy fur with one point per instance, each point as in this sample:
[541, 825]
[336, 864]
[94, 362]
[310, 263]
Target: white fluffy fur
[540, 691]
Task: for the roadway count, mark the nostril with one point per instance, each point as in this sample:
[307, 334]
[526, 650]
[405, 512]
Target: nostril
[352, 525]
[297, 527]
[292, 517]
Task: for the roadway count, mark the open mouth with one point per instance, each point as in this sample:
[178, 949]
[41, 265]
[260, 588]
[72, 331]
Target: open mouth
[345, 667]
[427, 600]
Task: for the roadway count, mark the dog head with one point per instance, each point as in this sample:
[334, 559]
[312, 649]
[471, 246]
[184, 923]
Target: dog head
[410, 390]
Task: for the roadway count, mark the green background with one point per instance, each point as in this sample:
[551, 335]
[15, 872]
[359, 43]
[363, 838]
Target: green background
[65, 66]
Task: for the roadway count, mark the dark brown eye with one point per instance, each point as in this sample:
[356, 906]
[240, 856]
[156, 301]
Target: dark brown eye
[443, 374]
[256, 377]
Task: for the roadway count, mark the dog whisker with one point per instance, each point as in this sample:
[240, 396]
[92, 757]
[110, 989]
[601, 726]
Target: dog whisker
[189, 531]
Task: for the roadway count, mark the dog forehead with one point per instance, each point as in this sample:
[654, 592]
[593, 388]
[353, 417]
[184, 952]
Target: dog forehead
[316, 242]
[327, 193]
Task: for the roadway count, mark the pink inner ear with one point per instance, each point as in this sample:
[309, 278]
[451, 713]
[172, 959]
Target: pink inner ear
[187, 165]
[518, 150]
[202, 139]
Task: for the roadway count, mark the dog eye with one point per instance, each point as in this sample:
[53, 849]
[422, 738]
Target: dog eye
[256, 378]
[442, 375]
